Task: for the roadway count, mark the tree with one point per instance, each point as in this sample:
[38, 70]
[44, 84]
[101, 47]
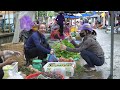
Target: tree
[51, 14]
[42, 13]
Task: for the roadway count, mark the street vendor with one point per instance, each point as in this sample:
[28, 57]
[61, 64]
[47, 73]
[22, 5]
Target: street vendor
[67, 29]
[89, 48]
[6, 54]
[54, 25]
[37, 46]
[55, 34]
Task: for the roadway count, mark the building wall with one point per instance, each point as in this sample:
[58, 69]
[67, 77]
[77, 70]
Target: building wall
[6, 38]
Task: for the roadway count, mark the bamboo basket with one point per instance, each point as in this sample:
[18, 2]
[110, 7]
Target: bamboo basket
[15, 47]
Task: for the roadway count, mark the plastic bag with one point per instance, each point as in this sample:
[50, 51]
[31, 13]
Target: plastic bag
[26, 23]
[52, 58]
[14, 75]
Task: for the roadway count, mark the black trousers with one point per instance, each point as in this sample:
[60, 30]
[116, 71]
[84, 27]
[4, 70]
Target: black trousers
[92, 59]
[34, 52]
[61, 29]
[1, 73]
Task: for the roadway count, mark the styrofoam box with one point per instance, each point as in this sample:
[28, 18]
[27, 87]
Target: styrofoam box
[60, 67]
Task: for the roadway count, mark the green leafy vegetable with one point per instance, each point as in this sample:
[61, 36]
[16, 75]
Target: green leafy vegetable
[64, 53]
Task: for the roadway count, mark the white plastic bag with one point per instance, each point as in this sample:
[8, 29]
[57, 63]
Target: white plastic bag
[14, 76]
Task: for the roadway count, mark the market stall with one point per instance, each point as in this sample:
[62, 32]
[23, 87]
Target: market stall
[62, 68]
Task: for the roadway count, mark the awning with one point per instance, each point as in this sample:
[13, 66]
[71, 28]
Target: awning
[86, 15]
[71, 17]
[95, 15]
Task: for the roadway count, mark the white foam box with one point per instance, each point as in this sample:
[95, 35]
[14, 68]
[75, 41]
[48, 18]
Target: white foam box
[65, 68]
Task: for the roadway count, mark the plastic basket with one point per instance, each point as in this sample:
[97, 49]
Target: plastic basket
[65, 71]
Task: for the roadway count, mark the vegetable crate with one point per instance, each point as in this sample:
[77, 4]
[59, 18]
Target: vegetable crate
[65, 68]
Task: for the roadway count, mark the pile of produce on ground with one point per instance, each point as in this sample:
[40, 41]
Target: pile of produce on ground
[27, 70]
[60, 65]
[49, 75]
[64, 53]
[61, 59]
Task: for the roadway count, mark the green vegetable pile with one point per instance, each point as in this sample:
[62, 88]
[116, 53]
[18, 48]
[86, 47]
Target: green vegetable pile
[26, 70]
[65, 53]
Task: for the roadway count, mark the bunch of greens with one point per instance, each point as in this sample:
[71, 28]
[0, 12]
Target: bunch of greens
[65, 53]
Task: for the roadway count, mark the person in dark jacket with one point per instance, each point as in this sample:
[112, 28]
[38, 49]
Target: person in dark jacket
[37, 46]
[60, 21]
[89, 48]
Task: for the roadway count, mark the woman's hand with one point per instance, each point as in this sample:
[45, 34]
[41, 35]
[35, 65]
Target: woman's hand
[8, 61]
[52, 51]
[63, 47]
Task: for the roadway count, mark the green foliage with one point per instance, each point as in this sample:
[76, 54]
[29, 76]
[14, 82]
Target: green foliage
[64, 53]
[42, 13]
[51, 13]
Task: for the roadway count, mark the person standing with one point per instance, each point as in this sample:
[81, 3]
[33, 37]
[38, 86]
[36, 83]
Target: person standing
[60, 21]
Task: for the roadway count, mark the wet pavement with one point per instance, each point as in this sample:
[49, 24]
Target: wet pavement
[105, 41]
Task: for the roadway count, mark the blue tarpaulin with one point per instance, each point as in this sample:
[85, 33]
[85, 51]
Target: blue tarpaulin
[88, 15]
[82, 15]
[72, 17]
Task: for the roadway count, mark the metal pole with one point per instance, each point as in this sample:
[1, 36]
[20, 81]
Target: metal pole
[9, 21]
[4, 22]
[112, 44]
